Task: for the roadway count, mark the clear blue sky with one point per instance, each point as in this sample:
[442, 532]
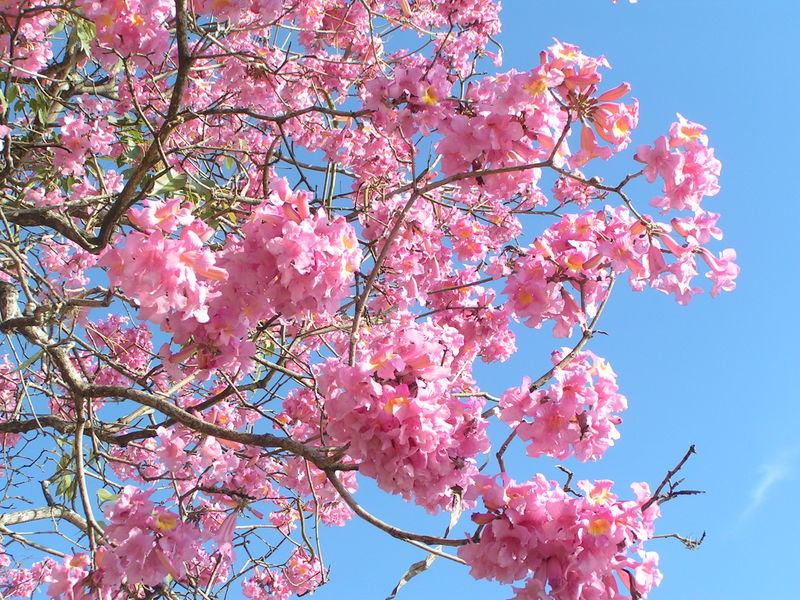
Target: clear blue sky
[723, 373]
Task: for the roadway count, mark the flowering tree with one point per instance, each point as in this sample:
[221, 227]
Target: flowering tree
[251, 251]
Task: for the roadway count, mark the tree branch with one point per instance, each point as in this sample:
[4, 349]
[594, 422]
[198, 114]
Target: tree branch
[393, 531]
[45, 512]
[129, 196]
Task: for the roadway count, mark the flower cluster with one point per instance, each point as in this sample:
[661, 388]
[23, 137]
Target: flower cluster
[80, 139]
[289, 261]
[399, 416]
[9, 384]
[576, 414]
[563, 546]
[685, 163]
[129, 347]
[300, 575]
[133, 28]
[170, 278]
[149, 542]
[288, 264]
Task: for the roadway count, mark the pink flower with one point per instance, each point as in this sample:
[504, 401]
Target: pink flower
[164, 215]
[660, 161]
[684, 131]
[171, 452]
[723, 270]
[4, 131]
[69, 580]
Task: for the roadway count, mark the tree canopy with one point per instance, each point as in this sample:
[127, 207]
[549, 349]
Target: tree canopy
[251, 252]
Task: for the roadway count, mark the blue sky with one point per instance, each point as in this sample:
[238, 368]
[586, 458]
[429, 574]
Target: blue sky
[720, 373]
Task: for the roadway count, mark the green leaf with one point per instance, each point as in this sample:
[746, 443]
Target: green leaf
[41, 106]
[132, 154]
[29, 362]
[169, 182]
[12, 93]
[64, 486]
[203, 187]
[103, 496]
[57, 28]
[86, 32]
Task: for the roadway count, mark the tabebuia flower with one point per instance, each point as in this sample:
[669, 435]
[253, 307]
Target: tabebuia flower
[686, 164]
[9, 384]
[300, 575]
[148, 542]
[400, 416]
[577, 413]
[129, 27]
[287, 263]
[171, 279]
[562, 546]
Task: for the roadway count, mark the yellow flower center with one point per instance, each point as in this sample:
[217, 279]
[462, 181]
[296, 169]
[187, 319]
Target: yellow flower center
[536, 86]
[599, 495]
[524, 297]
[599, 526]
[78, 561]
[430, 97]
[105, 21]
[394, 404]
[166, 521]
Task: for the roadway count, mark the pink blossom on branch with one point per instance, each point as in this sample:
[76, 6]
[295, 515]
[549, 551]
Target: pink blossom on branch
[562, 546]
[576, 414]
